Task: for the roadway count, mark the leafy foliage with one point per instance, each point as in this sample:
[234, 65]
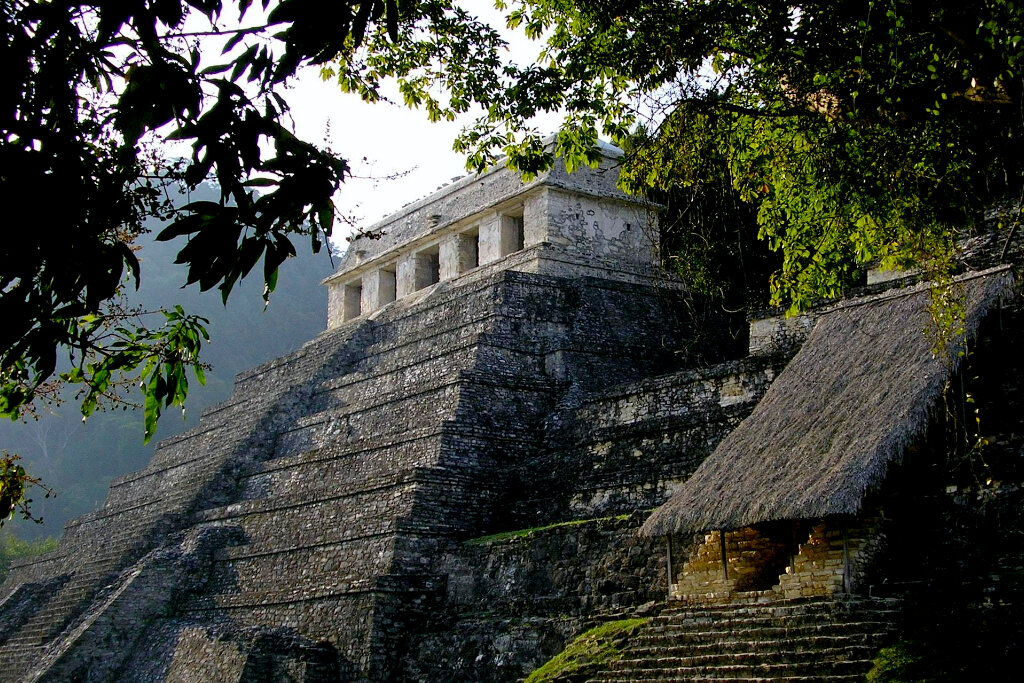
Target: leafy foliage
[90, 87]
[901, 663]
[90, 91]
[14, 484]
[13, 548]
[860, 130]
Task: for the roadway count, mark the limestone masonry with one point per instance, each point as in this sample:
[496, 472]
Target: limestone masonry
[499, 356]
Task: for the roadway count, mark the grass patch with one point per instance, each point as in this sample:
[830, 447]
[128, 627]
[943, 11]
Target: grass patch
[523, 533]
[588, 653]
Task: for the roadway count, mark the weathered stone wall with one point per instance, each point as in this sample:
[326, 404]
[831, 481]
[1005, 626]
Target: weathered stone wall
[753, 562]
[834, 558]
[626, 448]
[558, 224]
[791, 559]
[348, 470]
[511, 603]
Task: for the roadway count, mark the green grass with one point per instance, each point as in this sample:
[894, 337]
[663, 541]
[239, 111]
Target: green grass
[589, 652]
[522, 533]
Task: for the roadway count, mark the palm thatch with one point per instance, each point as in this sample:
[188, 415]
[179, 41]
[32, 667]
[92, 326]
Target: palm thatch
[860, 390]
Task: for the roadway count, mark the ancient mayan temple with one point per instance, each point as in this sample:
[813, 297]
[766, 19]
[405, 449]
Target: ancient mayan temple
[307, 524]
[501, 357]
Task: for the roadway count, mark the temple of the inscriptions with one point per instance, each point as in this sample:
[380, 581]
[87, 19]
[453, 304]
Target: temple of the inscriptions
[457, 477]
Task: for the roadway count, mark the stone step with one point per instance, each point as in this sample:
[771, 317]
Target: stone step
[696, 647]
[834, 678]
[17, 660]
[733, 671]
[773, 625]
[815, 639]
[765, 604]
[751, 657]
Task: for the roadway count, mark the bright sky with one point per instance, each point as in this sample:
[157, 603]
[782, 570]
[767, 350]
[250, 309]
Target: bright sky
[385, 139]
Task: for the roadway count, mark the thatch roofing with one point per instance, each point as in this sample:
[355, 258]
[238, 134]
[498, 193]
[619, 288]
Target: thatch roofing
[858, 392]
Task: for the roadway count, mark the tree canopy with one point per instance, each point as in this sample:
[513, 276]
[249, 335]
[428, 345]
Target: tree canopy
[859, 131]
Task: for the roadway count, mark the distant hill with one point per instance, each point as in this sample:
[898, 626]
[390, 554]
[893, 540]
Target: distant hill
[79, 459]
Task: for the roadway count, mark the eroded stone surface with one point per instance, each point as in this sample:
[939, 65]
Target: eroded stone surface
[487, 366]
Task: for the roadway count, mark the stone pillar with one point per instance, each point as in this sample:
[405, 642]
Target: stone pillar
[511, 234]
[335, 304]
[500, 235]
[405, 276]
[378, 289]
[371, 292]
[535, 219]
[448, 257]
[459, 253]
[353, 299]
[427, 268]
[416, 271]
[490, 238]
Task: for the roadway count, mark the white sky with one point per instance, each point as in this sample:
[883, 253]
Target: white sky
[391, 139]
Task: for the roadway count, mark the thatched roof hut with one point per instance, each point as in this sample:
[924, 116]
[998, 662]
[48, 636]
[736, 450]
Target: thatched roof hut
[860, 390]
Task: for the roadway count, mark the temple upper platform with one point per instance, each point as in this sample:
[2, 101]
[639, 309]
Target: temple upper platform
[558, 223]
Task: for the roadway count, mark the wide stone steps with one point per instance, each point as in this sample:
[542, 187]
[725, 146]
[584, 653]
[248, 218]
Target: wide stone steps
[751, 657]
[834, 678]
[762, 627]
[732, 672]
[708, 645]
[824, 640]
[765, 603]
[45, 623]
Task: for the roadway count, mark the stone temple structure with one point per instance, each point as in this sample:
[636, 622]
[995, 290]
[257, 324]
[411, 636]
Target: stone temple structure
[480, 342]
[449, 483]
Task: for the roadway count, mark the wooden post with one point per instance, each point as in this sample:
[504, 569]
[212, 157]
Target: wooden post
[725, 560]
[846, 562]
[668, 541]
[794, 543]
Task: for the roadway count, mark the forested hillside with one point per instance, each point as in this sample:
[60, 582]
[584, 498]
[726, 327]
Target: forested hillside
[79, 459]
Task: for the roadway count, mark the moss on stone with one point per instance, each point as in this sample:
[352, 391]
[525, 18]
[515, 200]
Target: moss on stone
[522, 533]
[900, 663]
[587, 653]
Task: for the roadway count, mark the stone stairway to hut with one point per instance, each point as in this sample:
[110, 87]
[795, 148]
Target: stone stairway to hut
[816, 639]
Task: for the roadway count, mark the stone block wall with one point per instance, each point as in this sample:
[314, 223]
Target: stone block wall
[350, 468]
[753, 559]
[834, 559]
[626, 448]
[786, 559]
[512, 603]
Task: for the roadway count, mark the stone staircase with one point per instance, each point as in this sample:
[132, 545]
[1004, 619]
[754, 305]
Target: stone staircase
[27, 642]
[821, 639]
